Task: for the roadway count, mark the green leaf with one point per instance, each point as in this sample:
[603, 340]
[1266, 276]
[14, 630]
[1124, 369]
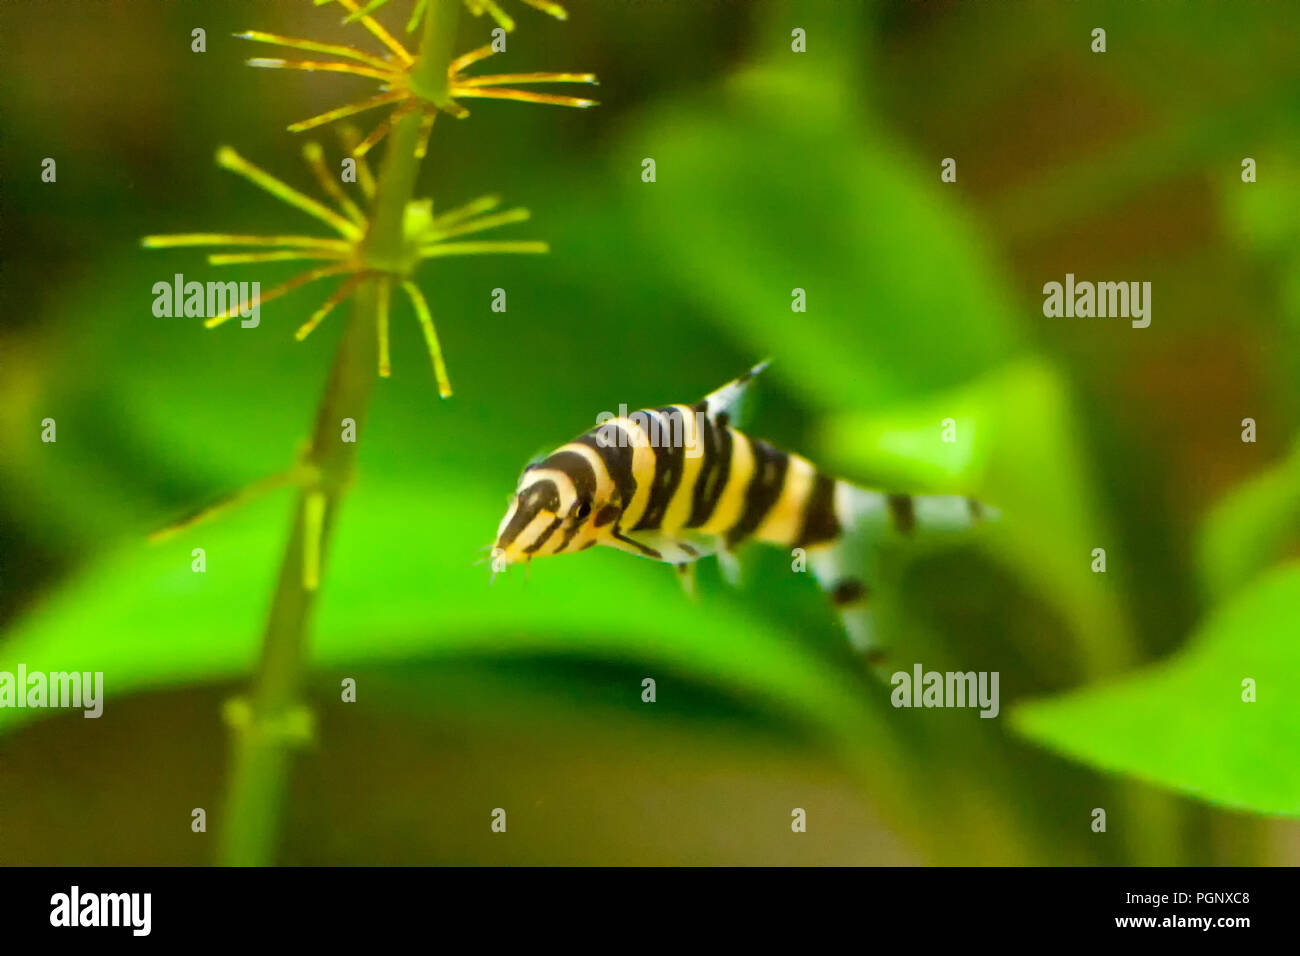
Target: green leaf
[172, 625]
[146, 620]
[775, 183]
[1183, 724]
[1251, 528]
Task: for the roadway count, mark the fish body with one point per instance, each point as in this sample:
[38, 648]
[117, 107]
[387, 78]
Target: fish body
[681, 482]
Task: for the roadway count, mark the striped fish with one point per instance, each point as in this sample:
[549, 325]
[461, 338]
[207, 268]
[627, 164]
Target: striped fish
[679, 483]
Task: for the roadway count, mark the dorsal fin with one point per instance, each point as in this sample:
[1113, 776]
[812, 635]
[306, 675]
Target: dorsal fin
[535, 462]
[726, 404]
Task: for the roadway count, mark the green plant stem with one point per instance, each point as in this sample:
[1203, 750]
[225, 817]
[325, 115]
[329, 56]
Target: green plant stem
[268, 725]
[436, 46]
[262, 744]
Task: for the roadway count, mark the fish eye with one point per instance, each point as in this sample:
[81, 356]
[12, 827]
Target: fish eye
[584, 509]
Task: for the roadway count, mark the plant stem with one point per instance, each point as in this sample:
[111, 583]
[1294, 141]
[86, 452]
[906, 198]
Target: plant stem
[436, 46]
[267, 726]
[261, 745]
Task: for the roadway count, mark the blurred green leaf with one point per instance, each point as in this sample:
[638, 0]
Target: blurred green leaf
[1183, 723]
[773, 184]
[1251, 528]
[146, 619]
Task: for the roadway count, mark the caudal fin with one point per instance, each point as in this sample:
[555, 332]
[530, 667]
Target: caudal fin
[846, 567]
[913, 514]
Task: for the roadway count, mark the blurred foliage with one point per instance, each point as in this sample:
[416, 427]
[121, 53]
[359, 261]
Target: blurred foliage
[1254, 526]
[1191, 722]
[775, 171]
[1012, 427]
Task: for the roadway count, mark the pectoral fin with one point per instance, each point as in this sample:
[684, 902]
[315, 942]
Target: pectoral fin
[686, 575]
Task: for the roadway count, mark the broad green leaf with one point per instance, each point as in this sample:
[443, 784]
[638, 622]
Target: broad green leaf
[1183, 723]
[145, 619]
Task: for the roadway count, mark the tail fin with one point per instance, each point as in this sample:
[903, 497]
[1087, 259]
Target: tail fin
[910, 514]
[846, 567]
[863, 511]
